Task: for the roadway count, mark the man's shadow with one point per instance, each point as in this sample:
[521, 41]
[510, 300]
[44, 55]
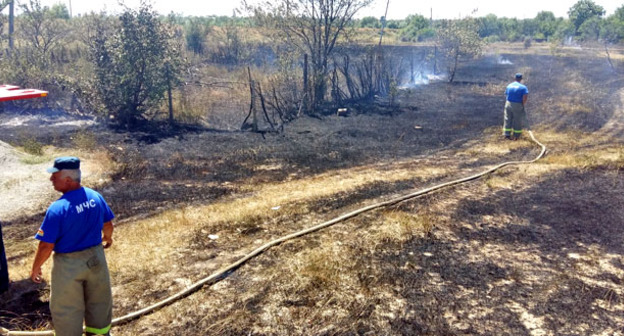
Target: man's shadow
[25, 306]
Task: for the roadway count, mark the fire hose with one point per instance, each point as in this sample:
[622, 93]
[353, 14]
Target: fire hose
[225, 271]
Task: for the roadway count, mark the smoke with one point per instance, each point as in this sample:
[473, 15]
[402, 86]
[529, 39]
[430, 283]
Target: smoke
[571, 42]
[503, 60]
[420, 78]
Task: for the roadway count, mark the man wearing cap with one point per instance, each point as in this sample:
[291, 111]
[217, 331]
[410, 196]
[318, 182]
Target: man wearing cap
[77, 227]
[517, 95]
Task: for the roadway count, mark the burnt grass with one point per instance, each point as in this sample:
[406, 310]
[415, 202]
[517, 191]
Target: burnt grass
[443, 283]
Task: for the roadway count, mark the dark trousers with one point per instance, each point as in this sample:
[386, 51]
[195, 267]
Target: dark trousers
[4, 272]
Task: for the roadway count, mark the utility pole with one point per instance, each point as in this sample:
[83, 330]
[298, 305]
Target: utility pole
[168, 74]
[11, 22]
[70, 10]
[383, 24]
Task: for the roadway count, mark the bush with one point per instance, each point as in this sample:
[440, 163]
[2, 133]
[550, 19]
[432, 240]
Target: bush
[134, 65]
[492, 39]
[32, 146]
[84, 140]
[195, 32]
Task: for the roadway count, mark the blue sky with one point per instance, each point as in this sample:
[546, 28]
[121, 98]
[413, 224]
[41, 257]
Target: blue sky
[398, 9]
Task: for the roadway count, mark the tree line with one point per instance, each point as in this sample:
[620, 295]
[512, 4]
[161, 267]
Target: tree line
[586, 21]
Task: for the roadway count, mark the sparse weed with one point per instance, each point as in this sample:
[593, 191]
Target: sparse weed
[586, 162]
[611, 297]
[401, 225]
[489, 89]
[426, 222]
[323, 268]
[191, 106]
[618, 163]
[32, 146]
[590, 160]
[516, 274]
[248, 224]
[493, 182]
[84, 140]
[34, 159]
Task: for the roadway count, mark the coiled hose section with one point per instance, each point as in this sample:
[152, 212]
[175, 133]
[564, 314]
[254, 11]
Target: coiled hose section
[223, 272]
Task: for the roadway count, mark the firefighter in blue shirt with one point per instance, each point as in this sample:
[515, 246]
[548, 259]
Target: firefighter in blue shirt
[77, 227]
[515, 115]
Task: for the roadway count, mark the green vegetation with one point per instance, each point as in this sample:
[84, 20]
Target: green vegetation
[458, 40]
[134, 65]
[417, 29]
[32, 146]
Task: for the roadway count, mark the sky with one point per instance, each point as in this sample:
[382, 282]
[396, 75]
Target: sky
[397, 9]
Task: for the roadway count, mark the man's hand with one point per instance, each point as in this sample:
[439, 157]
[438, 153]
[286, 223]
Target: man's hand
[44, 250]
[107, 234]
[107, 242]
[36, 275]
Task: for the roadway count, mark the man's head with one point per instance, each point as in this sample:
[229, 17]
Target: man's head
[518, 77]
[65, 173]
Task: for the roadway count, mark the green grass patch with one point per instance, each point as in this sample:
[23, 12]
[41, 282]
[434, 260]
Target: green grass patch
[34, 159]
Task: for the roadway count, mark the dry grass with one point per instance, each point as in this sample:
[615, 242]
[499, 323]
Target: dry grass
[401, 226]
[214, 97]
[327, 269]
[483, 258]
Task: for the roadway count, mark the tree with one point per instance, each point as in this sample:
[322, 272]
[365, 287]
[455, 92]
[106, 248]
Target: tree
[590, 29]
[417, 28]
[2, 17]
[370, 22]
[59, 11]
[529, 28]
[458, 40]
[312, 27]
[613, 30]
[134, 65]
[40, 28]
[582, 11]
[42, 38]
[510, 29]
[489, 26]
[546, 24]
[395, 24]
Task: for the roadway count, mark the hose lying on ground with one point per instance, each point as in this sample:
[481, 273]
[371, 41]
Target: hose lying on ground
[223, 272]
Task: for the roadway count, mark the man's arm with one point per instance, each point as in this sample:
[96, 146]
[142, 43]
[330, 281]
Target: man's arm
[44, 250]
[525, 98]
[107, 234]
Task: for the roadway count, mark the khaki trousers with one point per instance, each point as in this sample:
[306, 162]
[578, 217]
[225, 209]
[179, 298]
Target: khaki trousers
[80, 291]
[514, 119]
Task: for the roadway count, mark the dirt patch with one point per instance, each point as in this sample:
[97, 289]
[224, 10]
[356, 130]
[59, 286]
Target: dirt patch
[24, 188]
[48, 123]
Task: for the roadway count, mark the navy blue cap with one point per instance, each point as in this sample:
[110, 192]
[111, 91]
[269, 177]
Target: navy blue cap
[518, 76]
[64, 162]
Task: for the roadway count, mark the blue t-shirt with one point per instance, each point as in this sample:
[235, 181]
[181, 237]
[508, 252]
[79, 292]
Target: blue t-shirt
[515, 91]
[74, 222]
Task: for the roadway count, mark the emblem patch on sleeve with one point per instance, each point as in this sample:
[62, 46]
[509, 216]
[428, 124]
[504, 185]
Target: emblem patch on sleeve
[40, 233]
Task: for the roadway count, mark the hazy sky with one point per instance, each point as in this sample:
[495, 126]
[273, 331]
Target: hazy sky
[398, 9]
